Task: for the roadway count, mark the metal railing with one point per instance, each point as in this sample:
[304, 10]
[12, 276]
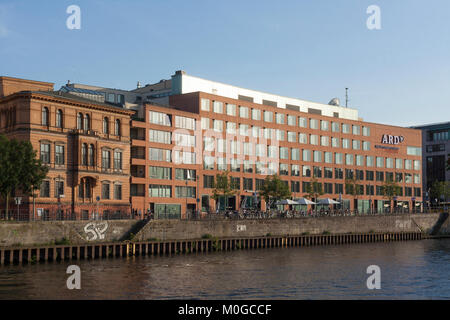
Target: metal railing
[61, 215]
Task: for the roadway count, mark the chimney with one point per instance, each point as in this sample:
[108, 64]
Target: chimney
[139, 85]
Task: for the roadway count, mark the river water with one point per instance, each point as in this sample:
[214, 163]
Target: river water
[409, 270]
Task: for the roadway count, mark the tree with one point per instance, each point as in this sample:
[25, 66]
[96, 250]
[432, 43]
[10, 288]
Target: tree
[440, 190]
[352, 187]
[389, 190]
[223, 187]
[274, 189]
[19, 168]
[314, 190]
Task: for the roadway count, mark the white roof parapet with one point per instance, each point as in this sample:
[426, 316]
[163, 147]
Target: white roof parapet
[183, 83]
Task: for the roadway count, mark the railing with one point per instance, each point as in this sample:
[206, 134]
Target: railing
[61, 215]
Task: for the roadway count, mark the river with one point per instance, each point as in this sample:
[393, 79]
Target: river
[409, 270]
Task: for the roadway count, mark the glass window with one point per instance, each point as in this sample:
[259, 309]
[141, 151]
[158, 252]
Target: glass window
[306, 155]
[280, 135]
[45, 153]
[59, 155]
[314, 139]
[338, 158]
[398, 164]
[184, 140]
[317, 156]
[160, 136]
[268, 116]
[59, 118]
[184, 123]
[118, 191]
[356, 130]
[324, 141]
[314, 123]
[380, 162]
[302, 122]
[159, 118]
[324, 125]
[335, 127]
[105, 125]
[79, 121]
[218, 125]
[118, 160]
[87, 122]
[106, 158]
[117, 127]
[284, 153]
[366, 131]
[328, 157]
[366, 145]
[162, 173]
[231, 109]
[256, 114]
[408, 164]
[389, 163]
[414, 151]
[291, 120]
[295, 154]
[295, 170]
[359, 160]
[292, 136]
[417, 165]
[231, 127]
[217, 107]
[349, 159]
[345, 128]
[356, 144]
[303, 138]
[205, 104]
[156, 154]
[369, 161]
[280, 118]
[45, 117]
[183, 157]
[345, 143]
[105, 191]
[335, 142]
[205, 123]
[243, 112]
[243, 129]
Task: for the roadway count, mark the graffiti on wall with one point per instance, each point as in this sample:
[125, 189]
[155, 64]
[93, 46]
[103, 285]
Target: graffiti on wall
[95, 230]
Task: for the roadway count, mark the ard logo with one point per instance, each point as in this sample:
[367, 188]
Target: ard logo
[390, 139]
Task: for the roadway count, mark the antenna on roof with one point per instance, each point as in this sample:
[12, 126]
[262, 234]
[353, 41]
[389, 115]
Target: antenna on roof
[346, 97]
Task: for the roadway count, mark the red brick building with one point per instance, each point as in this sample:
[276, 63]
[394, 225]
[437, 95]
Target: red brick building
[85, 144]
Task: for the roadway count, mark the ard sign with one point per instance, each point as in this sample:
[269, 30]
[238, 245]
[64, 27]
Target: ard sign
[390, 139]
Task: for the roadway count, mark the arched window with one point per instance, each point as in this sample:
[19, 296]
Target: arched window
[84, 154]
[117, 127]
[59, 118]
[79, 121]
[91, 154]
[45, 116]
[87, 124]
[105, 125]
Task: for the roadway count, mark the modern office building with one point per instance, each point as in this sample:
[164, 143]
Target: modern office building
[84, 141]
[200, 128]
[435, 153]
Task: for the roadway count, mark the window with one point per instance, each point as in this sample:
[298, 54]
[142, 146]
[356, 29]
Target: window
[106, 154]
[398, 164]
[295, 170]
[302, 122]
[184, 157]
[248, 166]
[184, 123]
[369, 175]
[414, 151]
[184, 174]
[79, 121]
[279, 118]
[324, 141]
[231, 127]
[268, 116]
[306, 155]
[366, 131]
[231, 110]
[117, 127]
[208, 181]
[205, 123]
[379, 176]
[160, 173]
[184, 140]
[366, 145]
[292, 136]
[248, 184]
[221, 146]
[118, 160]
[243, 112]
[314, 123]
[345, 143]
[369, 161]
[84, 157]
[389, 163]
[272, 152]
[59, 118]
[314, 139]
[284, 169]
[91, 155]
[105, 125]
[295, 154]
[159, 191]
[408, 164]
[328, 157]
[338, 188]
[359, 160]
[356, 144]
[306, 171]
[243, 129]
[356, 130]
[338, 158]
[218, 125]
[185, 192]
[205, 104]
[291, 120]
[295, 186]
[235, 165]
[118, 191]
[338, 173]
[345, 128]
[261, 150]
[59, 155]
[45, 189]
[284, 153]
[45, 116]
[324, 125]
[317, 156]
[268, 133]
[280, 135]
[256, 114]
[317, 172]
[335, 142]
[303, 138]
[416, 165]
[335, 127]
[256, 131]
[349, 159]
[59, 188]
[111, 97]
[208, 163]
[217, 107]
[45, 153]
[87, 122]
[160, 118]
[160, 136]
[248, 149]
[380, 162]
[222, 164]
[328, 173]
[234, 147]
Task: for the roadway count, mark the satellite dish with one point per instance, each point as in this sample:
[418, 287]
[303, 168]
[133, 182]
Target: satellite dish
[334, 102]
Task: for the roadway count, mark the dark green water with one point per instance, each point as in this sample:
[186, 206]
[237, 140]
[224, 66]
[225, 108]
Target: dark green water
[409, 270]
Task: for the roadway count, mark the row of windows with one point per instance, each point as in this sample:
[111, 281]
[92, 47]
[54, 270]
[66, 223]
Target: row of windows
[281, 118]
[165, 191]
[83, 121]
[164, 119]
[84, 190]
[106, 191]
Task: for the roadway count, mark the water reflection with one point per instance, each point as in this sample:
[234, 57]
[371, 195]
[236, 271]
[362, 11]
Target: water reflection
[409, 270]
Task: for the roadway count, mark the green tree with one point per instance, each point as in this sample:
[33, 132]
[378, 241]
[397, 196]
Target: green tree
[274, 189]
[352, 187]
[223, 187]
[389, 190]
[440, 190]
[314, 189]
[19, 168]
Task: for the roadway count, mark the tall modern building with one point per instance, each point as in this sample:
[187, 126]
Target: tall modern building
[435, 153]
